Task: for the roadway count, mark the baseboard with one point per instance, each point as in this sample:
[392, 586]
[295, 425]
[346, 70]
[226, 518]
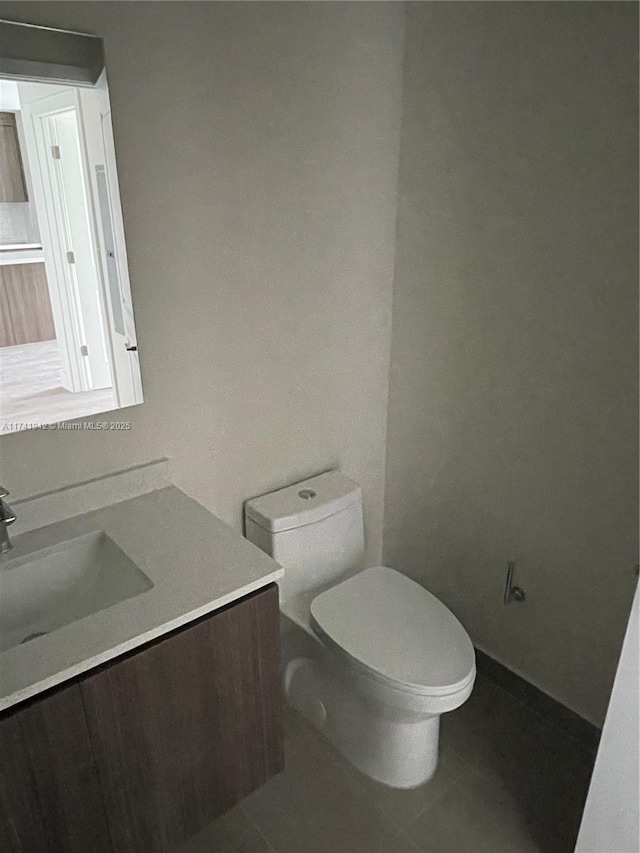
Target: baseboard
[541, 703]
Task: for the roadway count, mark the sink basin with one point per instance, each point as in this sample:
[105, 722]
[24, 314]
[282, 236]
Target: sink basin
[45, 590]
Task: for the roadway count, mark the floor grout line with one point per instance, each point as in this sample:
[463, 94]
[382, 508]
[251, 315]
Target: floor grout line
[253, 823]
[511, 812]
[440, 795]
[328, 748]
[503, 789]
[514, 803]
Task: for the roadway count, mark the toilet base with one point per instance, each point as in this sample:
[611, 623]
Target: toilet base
[394, 746]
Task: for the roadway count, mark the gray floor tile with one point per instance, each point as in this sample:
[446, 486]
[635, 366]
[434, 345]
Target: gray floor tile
[507, 783]
[314, 806]
[234, 832]
[473, 816]
[544, 772]
[493, 731]
[404, 806]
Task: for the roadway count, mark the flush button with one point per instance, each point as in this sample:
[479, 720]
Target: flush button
[307, 494]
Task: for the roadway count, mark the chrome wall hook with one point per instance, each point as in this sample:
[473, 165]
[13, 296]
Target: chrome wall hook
[512, 592]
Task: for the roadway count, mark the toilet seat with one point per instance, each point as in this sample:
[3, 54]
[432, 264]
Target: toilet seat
[396, 632]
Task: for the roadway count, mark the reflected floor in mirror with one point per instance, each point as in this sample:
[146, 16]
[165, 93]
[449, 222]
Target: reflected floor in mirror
[31, 391]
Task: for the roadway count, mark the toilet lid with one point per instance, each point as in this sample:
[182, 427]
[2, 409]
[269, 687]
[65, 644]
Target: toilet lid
[395, 629]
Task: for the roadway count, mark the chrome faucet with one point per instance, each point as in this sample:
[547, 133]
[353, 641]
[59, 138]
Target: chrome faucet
[7, 517]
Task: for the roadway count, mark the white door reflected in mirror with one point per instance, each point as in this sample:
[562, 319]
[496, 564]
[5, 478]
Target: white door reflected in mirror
[67, 337]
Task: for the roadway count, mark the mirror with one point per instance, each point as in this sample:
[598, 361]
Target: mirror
[68, 344]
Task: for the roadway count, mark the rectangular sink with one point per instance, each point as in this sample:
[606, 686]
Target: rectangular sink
[45, 590]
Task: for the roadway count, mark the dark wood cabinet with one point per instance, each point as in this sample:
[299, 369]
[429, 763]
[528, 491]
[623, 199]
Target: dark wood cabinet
[175, 734]
[50, 799]
[188, 727]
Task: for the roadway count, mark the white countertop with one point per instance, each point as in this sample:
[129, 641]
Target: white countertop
[5, 246]
[196, 563]
[31, 254]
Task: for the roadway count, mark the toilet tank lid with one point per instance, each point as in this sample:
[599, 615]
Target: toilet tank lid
[303, 503]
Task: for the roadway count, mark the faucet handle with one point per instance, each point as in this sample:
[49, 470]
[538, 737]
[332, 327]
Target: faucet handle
[3, 492]
[7, 515]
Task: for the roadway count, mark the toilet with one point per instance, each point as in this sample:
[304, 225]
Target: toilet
[370, 657]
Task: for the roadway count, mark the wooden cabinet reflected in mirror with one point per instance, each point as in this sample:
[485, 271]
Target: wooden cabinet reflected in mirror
[25, 307]
[12, 184]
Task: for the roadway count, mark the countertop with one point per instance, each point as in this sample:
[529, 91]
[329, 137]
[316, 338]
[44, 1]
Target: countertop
[6, 246]
[17, 253]
[196, 563]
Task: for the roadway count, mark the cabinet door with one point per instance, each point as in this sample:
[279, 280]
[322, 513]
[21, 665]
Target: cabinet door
[12, 186]
[50, 800]
[187, 727]
[25, 307]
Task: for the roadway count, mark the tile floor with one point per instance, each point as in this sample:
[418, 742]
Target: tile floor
[506, 781]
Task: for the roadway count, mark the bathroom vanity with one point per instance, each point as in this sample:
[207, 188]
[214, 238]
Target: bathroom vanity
[129, 728]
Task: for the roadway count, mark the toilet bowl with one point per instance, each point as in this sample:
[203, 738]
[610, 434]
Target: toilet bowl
[370, 657]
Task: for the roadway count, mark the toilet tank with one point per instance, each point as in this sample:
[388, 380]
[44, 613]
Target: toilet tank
[314, 529]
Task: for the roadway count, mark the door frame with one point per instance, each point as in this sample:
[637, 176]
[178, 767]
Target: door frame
[101, 157]
[51, 201]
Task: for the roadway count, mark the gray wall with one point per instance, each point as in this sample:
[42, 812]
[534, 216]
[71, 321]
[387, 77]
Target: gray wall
[257, 149]
[513, 415]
